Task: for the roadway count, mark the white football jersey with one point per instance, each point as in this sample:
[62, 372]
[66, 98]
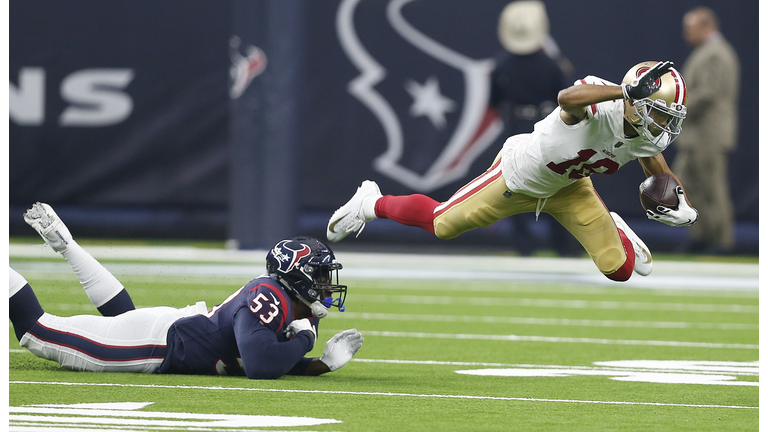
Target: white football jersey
[555, 154]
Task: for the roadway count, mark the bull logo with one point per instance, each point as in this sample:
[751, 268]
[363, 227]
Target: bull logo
[445, 103]
[287, 256]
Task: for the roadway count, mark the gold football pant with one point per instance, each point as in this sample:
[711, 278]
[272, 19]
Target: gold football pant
[577, 207]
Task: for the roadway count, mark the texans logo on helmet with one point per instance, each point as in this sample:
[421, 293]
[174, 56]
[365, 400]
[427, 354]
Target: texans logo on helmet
[431, 100]
[288, 257]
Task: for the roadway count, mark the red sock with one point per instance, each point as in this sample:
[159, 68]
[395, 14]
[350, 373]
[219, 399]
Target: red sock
[412, 210]
[625, 271]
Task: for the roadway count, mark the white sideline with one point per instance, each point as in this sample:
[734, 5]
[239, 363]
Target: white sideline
[667, 275]
[413, 395]
[734, 368]
[555, 339]
[562, 322]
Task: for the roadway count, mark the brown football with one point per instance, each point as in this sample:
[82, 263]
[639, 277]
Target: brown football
[659, 190]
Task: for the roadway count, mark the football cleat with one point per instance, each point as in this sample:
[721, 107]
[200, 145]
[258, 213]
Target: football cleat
[349, 217]
[643, 259]
[46, 222]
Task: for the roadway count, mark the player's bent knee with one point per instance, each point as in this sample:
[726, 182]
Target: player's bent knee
[613, 263]
[445, 232]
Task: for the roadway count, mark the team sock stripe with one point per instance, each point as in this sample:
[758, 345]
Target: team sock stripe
[95, 349]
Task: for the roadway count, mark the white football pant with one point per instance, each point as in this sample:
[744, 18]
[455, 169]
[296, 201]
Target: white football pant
[134, 341]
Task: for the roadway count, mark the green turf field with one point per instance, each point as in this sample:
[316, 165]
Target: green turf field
[459, 343]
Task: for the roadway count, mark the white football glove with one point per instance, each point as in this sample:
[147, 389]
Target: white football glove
[340, 348]
[300, 325]
[685, 215]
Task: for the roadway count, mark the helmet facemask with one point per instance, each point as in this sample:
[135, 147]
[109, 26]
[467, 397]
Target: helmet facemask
[659, 117]
[306, 267]
[658, 123]
[323, 290]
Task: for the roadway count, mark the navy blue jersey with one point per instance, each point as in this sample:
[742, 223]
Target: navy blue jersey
[244, 335]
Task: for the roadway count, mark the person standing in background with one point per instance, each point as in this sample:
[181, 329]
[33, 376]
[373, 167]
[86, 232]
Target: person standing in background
[524, 88]
[712, 76]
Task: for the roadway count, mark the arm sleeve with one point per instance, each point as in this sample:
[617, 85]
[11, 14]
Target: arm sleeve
[263, 356]
[301, 367]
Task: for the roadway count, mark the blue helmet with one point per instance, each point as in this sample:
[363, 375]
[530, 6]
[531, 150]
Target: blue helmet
[305, 267]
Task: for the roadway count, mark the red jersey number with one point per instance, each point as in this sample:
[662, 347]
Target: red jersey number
[579, 168]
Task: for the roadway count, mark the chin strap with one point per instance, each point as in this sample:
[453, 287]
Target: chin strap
[318, 309]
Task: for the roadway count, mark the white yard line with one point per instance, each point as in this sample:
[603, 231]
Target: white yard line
[520, 303]
[552, 303]
[560, 322]
[388, 394]
[733, 368]
[551, 339]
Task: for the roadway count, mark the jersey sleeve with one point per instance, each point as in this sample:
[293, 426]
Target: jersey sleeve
[264, 352]
[599, 109]
[269, 306]
[301, 366]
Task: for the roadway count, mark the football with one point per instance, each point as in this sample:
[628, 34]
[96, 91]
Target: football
[659, 190]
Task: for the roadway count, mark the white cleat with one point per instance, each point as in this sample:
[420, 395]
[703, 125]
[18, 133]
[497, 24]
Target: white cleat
[643, 259]
[46, 222]
[349, 217]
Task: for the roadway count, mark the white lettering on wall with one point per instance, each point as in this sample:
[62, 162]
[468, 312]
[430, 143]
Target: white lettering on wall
[94, 97]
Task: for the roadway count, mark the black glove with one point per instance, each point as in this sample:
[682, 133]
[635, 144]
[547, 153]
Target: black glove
[645, 85]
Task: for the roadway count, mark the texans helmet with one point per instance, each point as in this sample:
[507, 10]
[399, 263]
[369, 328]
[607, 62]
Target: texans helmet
[659, 117]
[305, 267]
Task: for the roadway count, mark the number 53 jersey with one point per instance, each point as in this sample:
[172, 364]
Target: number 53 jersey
[555, 154]
[244, 335]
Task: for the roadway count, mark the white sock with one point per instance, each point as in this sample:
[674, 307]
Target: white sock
[368, 208]
[100, 285]
[17, 282]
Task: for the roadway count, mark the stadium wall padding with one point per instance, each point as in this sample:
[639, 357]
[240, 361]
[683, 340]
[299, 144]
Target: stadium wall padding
[252, 120]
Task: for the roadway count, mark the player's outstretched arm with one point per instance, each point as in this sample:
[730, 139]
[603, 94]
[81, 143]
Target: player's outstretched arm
[316, 367]
[263, 356]
[575, 99]
[338, 351]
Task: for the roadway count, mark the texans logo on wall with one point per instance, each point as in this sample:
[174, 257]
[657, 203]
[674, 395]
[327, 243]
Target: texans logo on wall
[431, 100]
[244, 67]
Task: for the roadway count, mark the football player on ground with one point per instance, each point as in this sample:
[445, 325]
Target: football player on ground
[597, 127]
[263, 330]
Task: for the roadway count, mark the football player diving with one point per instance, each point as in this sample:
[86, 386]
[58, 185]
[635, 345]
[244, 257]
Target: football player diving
[263, 330]
[597, 127]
